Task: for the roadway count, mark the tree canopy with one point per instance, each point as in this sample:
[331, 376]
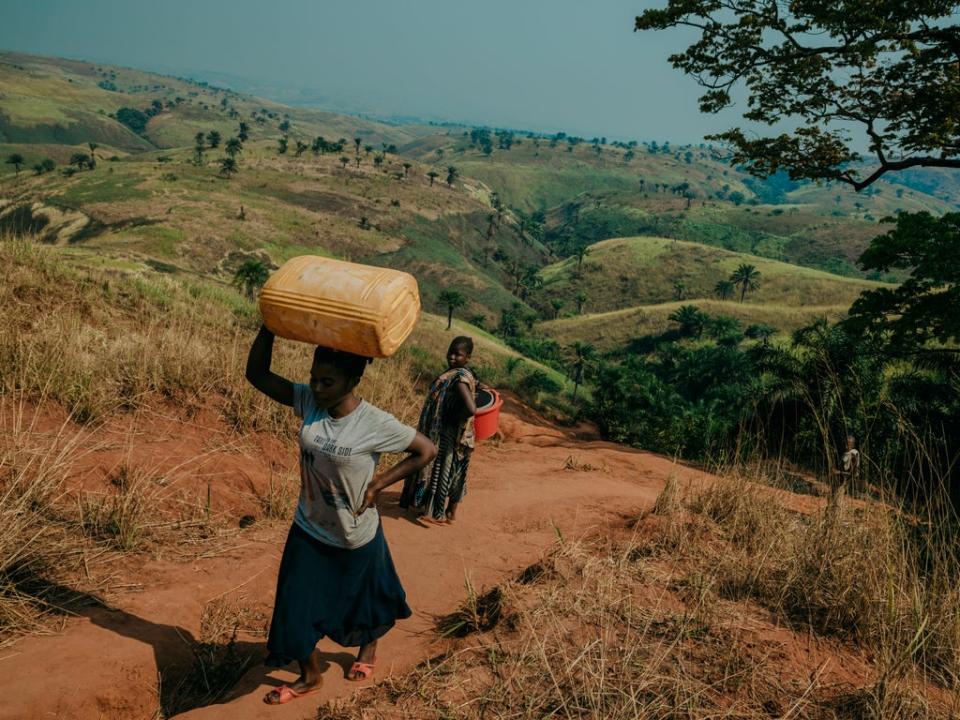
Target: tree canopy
[887, 68]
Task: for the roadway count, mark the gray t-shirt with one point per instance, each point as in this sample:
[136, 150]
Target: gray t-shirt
[338, 457]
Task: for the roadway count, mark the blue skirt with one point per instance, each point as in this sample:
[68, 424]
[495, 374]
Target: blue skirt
[351, 596]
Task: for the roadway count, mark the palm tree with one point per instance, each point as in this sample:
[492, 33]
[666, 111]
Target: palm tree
[690, 319]
[228, 166]
[367, 149]
[233, 147]
[319, 145]
[451, 175]
[453, 299]
[301, 146]
[580, 253]
[251, 276]
[243, 133]
[723, 289]
[343, 161]
[406, 168]
[93, 147]
[679, 288]
[746, 276]
[357, 141]
[282, 145]
[377, 161]
[581, 298]
[433, 175]
[580, 353]
[356, 159]
[557, 306]
[213, 139]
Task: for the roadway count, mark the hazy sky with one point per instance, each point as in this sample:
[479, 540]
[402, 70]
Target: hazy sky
[573, 65]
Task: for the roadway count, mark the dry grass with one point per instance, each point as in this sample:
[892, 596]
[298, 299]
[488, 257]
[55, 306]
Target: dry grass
[652, 623]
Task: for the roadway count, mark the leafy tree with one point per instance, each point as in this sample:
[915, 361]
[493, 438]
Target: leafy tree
[233, 147]
[691, 319]
[451, 175]
[406, 168]
[17, 160]
[318, 146]
[343, 161]
[243, 132]
[433, 175]
[228, 166]
[747, 277]
[251, 276]
[581, 298]
[133, 119]
[724, 289]
[284, 126]
[453, 299]
[80, 159]
[282, 145]
[213, 139]
[886, 68]
[48, 165]
[923, 308]
[377, 161]
[581, 354]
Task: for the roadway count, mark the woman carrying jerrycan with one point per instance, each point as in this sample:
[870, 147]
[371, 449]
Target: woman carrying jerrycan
[336, 578]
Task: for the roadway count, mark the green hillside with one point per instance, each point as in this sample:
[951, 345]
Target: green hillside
[613, 330]
[626, 272]
[66, 102]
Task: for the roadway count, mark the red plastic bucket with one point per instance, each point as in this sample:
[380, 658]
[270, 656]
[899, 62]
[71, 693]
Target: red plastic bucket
[487, 419]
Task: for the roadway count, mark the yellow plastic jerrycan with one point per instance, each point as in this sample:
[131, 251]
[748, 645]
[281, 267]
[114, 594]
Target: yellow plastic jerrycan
[361, 309]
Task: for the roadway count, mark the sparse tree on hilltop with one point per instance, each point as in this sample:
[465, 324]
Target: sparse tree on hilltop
[581, 298]
[251, 276]
[367, 149]
[228, 166]
[343, 161]
[580, 253]
[377, 161]
[356, 159]
[557, 306]
[301, 146]
[723, 289]
[93, 148]
[282, 145]
[406, 168]
[233, 147]
[747, 277]
[356, 142]
[679, 289]
[243, 133]
[284, 127]
[453, 300]
[17, 160]
[451, 175]
[213, 139]
[199, 147]
[433, 175]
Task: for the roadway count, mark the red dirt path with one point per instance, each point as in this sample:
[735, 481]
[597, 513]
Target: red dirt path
[105, 663]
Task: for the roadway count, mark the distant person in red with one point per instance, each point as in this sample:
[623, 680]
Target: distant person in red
[336, 578]
[447, 419]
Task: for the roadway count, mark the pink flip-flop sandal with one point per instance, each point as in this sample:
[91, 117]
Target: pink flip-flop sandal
[360, 671]
[285, 694]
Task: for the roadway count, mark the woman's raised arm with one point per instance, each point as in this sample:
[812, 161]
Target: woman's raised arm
[258, 370]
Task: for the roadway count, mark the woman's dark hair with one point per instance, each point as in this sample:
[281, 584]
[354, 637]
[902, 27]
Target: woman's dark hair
[463, 342]
[349, 364]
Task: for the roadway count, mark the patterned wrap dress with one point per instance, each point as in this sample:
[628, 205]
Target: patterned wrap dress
[444, 481]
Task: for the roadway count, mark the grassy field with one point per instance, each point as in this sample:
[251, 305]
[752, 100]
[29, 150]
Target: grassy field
[614, 329]
[627, 272]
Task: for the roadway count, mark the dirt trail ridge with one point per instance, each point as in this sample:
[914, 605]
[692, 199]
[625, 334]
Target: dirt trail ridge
[104, 664]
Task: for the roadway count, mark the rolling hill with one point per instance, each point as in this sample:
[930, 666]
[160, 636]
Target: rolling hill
[626, 272]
